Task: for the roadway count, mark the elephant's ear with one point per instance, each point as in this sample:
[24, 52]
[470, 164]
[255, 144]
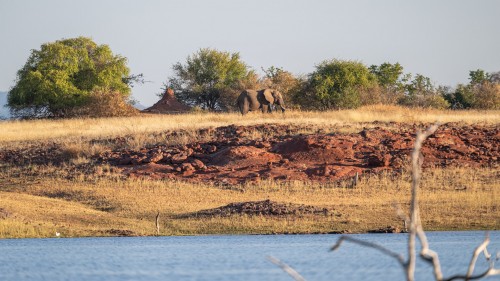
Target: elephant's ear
[268, 95]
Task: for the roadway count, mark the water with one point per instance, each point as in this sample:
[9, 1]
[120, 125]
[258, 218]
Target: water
[227, 257]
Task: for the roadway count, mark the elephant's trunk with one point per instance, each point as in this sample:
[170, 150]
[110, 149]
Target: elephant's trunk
[281, 105]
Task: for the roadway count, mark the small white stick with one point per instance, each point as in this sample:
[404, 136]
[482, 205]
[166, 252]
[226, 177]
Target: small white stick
[286, 268]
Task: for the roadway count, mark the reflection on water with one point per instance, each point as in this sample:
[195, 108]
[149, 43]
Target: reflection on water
[227, 257]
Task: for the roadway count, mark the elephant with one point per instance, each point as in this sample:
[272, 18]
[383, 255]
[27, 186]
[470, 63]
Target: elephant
[251, 100]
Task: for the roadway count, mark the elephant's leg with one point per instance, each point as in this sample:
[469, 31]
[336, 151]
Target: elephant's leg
[246, 108]
[243, 106]
[240, 107]
[265, 108]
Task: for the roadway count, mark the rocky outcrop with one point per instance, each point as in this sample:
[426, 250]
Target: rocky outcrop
[237, 154]
[233, 156]
[260, 208]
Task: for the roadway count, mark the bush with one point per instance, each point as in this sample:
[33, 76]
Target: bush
[106, 103]
[461, 98]
[482, 92]
[420, 92]
[487, 96]
[337, 84]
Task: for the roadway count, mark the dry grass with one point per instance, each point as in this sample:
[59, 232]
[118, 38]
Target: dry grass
[18, 131]
[37, 201]
[40, 207]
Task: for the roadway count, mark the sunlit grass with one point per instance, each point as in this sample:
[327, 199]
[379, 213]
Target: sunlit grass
[41, 206]
[37, 201]
[28, 130]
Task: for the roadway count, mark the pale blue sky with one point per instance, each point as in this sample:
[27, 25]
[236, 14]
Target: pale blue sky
[442, 39]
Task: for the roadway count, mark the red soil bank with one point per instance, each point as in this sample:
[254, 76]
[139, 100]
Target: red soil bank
[232, 156]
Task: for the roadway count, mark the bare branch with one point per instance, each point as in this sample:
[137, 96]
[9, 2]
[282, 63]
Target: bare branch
[414, 210]
[286, 268]
[490, 272]
[487, 255]
[380, 248]
[477, 251]
[427, 254]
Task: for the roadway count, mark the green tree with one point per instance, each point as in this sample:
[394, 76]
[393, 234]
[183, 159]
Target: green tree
[388, 75]
[421, 92]
[210, 79]
[391, 82]
[482, 92]
[61, 76]
[485, 89]
[337, 84]
[478, 76]
[461, 98]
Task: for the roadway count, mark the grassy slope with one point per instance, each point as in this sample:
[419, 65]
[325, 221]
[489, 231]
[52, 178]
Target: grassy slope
[40, 206]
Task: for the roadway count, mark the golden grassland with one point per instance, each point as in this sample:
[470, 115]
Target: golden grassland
[53, 130]
[451, 199]
[38, 201]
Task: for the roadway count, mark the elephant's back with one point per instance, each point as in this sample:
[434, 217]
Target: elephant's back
[250, 93]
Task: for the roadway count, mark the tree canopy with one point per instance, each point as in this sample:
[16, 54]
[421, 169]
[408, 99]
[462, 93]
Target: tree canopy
[62, 75]
[388, 75]
[208, 77]
[337, 83]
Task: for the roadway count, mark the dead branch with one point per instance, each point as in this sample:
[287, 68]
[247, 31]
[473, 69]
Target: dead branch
[476, 253]
[427, 254]
[286, 268]
[414, 207]
[489, 272]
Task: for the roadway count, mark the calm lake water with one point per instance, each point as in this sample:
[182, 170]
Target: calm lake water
[227, 257]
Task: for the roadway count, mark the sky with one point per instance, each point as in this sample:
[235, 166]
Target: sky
[442, 39]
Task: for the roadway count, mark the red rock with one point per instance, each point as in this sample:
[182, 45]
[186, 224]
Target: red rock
[138, 160]
[156, 157]
[197, 164]
[187, 167]
[179, 158]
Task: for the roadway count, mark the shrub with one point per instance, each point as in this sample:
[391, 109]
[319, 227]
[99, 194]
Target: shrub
[104, 102]
[336, 84]
[487, 96]
[482, 92]
[420, 92]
